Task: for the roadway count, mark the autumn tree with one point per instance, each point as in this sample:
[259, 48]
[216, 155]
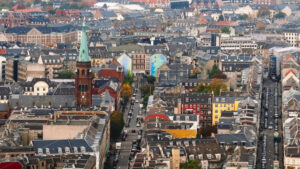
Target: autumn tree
[215, 86]
[191, 164]
[263, 11]
[126, 92]
[219, 75]
[116, 124]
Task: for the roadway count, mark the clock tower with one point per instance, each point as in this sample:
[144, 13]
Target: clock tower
[83, 80]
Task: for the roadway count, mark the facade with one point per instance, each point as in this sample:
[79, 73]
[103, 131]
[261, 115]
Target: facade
[237, 43]
[156, 61]
[198, 103]
[42, 35]
[126, 62]
[20, 70]
[221, 104]
[83, 80]
[292, 37]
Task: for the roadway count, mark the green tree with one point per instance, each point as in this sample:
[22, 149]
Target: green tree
[215, 70]
[129, 78]
[147, 89]
[243, 17]
[116, 124]
[221, 18]
[225, 29]
[66, 74]
[151, 79]
[280, 15]
[191, 164]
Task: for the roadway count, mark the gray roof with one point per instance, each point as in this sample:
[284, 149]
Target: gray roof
[53, 145]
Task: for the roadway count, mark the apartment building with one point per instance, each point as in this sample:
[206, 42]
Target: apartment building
[292, 37]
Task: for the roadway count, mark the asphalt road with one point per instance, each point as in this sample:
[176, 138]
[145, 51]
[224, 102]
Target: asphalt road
[126, 145]
[269, 131]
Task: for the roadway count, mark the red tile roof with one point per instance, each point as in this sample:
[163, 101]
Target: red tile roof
[224, 23]
[29, 10]
[290, 71]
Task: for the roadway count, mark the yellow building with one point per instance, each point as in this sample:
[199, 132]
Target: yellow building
[223, 104]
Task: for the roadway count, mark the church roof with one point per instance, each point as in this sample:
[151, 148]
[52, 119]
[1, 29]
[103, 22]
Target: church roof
[84, 50]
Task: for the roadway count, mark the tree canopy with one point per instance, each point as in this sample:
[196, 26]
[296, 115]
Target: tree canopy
[215, 70]
[263, 11]
[216, 85]
[66, 74]
[191, 164]
[151, 79]
[221, 18]
[116, 124]
[129, 78]
[225, 29]
[126, 91]
[280, 15]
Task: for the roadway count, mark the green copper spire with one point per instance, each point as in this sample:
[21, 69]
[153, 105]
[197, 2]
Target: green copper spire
[84, 50]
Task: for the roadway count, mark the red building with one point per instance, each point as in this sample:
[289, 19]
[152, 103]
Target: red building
[112, 71]
[83, 80]
[198, 103]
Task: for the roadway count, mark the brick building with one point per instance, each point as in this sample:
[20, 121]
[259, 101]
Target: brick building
[198, 103]
[112, 71]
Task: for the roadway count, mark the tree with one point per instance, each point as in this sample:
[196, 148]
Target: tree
[219, 75]
[151, 79]
[147, 89]
[215, 69]
[191, 164]
[221, 18]
[216, 85]
[243, 17]
[206, 131]
[66, 74]
[263, 11]
[129, 78]
[126, 92]
[280, 15]
[116, 124]
[225, 29]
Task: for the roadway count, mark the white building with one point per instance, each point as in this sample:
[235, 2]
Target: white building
[292, 37]
[235, 43]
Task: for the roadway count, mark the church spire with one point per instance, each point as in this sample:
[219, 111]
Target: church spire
[84, 50]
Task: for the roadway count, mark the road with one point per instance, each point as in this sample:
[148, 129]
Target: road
[126, 145]
[269, 124]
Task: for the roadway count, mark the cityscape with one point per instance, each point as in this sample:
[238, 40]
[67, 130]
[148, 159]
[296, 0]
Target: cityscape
[150, 84]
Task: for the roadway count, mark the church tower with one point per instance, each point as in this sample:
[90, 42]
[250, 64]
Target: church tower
[83, 80]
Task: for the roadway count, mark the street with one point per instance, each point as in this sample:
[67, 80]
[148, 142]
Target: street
[126, 145]
[269, 147]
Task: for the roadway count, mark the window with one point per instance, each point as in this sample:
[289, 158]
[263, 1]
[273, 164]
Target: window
[38, 89]
[82, 72]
